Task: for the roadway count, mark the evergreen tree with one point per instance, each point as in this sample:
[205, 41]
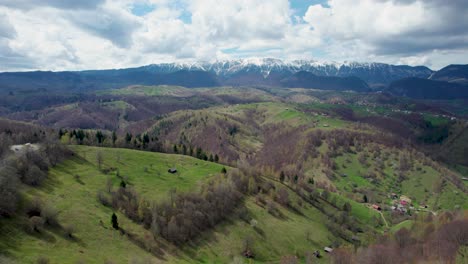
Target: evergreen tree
[347, 207]
[114, 137]
[199, 153]
[223, 170]
[184, 149]
[211, 158]
[216, 158]
[99, 136]
[365, 198]
[282, 176]
[128, 137]
[115, 223]
[175, 149]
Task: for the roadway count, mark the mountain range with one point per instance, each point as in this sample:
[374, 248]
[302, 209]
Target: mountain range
[361, 77]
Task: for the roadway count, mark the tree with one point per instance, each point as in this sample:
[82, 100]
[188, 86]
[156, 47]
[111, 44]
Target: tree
[282, 196]
[114, 221]
[211, 158]
[146, 139]
[99, 137]
[365, 198]
[34, 176]
[49, 214]
[282, 176]
[223, 170]
[347, 207]
[128, 137]
[173, 230]
[114, 137]
[109, 184]
[36, 223]
[123, 184]
[99, 159]
[199, 153]
[184, 149]
[175, 149]
[8, 191]
[403, 237]
[216, 158]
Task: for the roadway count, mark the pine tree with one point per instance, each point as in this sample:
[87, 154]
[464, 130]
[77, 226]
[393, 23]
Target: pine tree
[114, 137]
[115, 223]
[282, 176]
[128, 137]
[216, 158]
[365, 198]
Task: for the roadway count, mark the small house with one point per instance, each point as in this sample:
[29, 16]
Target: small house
[403, 202]
[376, 207]
[172, 170]
[328, 249]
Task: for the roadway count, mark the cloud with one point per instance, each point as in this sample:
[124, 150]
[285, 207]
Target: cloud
[399, 28]
[69, 35]
[61, 4]
[116, 25]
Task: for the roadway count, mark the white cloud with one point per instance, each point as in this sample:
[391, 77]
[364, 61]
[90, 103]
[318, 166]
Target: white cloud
[59, 35]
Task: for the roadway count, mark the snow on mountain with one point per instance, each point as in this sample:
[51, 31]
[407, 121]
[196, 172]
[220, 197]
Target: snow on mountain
[375, 73]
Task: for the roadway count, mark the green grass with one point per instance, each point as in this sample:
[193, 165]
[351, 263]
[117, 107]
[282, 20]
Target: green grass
[405, 224]
[77, 204]
[96, 242]
[147, 171]
[353, 170]
[273, 237]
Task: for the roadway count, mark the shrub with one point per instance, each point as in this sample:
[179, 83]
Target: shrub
[42, 260]
[36, 223]
[69, 230]
[34, 176]
[103, 199]
[49, 214]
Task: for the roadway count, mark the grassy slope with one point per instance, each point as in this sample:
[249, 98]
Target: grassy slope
[273, 237]
[77, 205]
[418, 186]
[95, 242]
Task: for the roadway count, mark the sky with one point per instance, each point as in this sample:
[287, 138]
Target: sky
[99, 34]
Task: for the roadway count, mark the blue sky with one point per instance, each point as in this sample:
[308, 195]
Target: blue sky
[95, 34]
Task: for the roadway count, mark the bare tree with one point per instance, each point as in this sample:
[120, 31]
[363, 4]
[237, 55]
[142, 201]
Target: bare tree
[99, 159]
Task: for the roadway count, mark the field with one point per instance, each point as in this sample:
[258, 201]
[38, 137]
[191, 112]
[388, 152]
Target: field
[72, 189]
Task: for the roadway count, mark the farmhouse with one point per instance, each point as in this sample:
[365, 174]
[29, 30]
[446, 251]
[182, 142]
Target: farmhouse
[376, 207]
[328, 249]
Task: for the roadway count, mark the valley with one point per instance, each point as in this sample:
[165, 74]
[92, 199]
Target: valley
[314, 155]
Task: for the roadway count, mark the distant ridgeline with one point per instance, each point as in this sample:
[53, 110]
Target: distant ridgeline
[402, 80]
